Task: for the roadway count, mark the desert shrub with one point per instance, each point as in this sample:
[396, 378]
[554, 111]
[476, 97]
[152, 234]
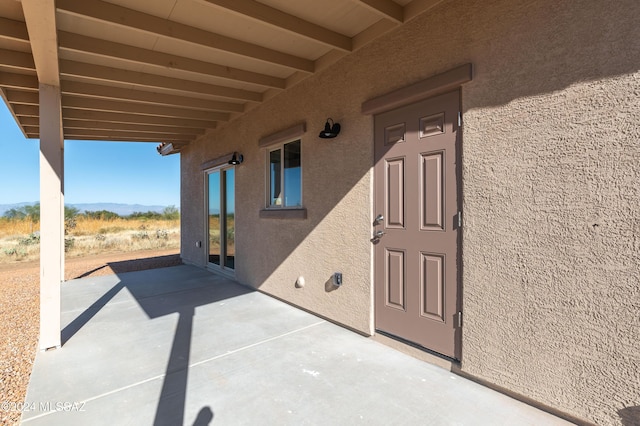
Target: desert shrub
[101, 237]
[101, 215]
[10, 251]
[111, 230]
[31, 239]
[70, 212]
[142, 235]
[162, 234]
[171, 213]
[69, 243]
[30, 212]
[69, 225]
[214, 240]
[145, 216]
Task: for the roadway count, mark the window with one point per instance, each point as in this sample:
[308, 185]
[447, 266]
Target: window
[285, 176]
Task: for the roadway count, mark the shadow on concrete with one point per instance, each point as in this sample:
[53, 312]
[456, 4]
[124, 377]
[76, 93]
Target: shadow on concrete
[137, 264]
[159, 298]
[630, 416]
[205, 417]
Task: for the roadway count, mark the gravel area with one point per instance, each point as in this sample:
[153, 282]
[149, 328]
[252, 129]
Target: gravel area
[19, 313]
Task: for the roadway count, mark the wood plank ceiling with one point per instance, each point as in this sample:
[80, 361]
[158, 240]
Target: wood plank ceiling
[168, 70]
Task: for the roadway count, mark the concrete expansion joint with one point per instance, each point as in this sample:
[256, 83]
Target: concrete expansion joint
[161, 376]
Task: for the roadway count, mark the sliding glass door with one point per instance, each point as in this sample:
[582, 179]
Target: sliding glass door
[221, 218]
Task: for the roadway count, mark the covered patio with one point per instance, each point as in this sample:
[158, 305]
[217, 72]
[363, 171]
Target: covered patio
[502, 135]
[181, 345]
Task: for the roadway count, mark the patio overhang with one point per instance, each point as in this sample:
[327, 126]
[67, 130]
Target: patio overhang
[169, 70]
[163, 71]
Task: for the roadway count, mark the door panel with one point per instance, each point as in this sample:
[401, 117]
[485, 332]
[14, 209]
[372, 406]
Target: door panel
[416, 190]
[221, 218]
[431, 197]
[214, 217]
[395, 282]
[229, 219]
[432, 287]
[395, 193]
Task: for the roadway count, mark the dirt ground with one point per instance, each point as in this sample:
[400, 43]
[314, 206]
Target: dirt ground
[19, 313]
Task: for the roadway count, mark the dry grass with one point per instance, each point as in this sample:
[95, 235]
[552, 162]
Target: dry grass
[89, 226]
[15, 228]
[19, 239]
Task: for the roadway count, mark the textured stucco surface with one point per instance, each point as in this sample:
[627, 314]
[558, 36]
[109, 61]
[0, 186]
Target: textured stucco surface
[551, 188]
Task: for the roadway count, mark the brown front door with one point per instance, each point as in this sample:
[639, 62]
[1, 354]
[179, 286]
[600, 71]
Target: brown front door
[417, 248]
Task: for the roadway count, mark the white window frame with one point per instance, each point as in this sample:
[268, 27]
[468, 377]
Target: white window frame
[282, 206]
[270, 143]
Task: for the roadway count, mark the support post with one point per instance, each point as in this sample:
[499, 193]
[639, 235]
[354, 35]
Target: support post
[51, 215]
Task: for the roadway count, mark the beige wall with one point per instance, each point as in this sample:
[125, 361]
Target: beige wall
[551, 172]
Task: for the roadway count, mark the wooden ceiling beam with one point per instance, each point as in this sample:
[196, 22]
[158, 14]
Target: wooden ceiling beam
[103, 48]
[3, 97]
[18, 81]
[70, 123]
[40, 17]
[117, 93]
[283, 21]
[26, 110]
[386, 8]
[13, 30]
[121, 117]
[417, 7]
[373, 32]
[22, 97]
[18, 60]
[109, 138]
[139, 21]
[75, 102]
[130, 135]
[101, 73]
[30, 121]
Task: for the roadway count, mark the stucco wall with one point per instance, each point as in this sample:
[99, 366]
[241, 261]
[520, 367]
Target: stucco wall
[552, 187]
[551, 172]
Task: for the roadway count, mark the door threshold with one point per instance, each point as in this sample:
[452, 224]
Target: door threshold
[416, 351]
[225, 273]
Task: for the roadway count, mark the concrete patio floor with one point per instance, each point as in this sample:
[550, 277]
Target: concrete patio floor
[183, 346]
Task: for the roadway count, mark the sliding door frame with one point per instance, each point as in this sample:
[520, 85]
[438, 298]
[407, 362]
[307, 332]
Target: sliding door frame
[226, 260]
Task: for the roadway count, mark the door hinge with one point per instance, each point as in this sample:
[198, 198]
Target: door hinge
[459, 319]
[459, 118]
[459, 219]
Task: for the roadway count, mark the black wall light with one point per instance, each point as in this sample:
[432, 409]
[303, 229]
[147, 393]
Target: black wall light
[330, 130]
[236, 159]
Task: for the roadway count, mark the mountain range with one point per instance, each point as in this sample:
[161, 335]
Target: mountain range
[120, 209]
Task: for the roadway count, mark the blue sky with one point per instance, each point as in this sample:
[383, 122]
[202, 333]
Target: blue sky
[95, 172]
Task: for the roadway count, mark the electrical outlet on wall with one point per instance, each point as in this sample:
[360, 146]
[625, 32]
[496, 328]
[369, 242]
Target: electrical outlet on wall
[337, 279]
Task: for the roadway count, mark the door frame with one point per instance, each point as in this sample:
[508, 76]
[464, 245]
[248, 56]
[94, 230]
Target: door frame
[222, 269]
[448, 81]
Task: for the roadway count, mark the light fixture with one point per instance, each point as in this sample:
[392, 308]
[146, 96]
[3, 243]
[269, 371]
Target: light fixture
[330, 130]
[167, 148]
[236, 159]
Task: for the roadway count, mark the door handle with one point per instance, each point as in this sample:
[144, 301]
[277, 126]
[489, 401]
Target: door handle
[378, 219]
[378, 234]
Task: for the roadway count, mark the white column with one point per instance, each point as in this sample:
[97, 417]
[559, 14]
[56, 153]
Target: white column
[51, 215]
